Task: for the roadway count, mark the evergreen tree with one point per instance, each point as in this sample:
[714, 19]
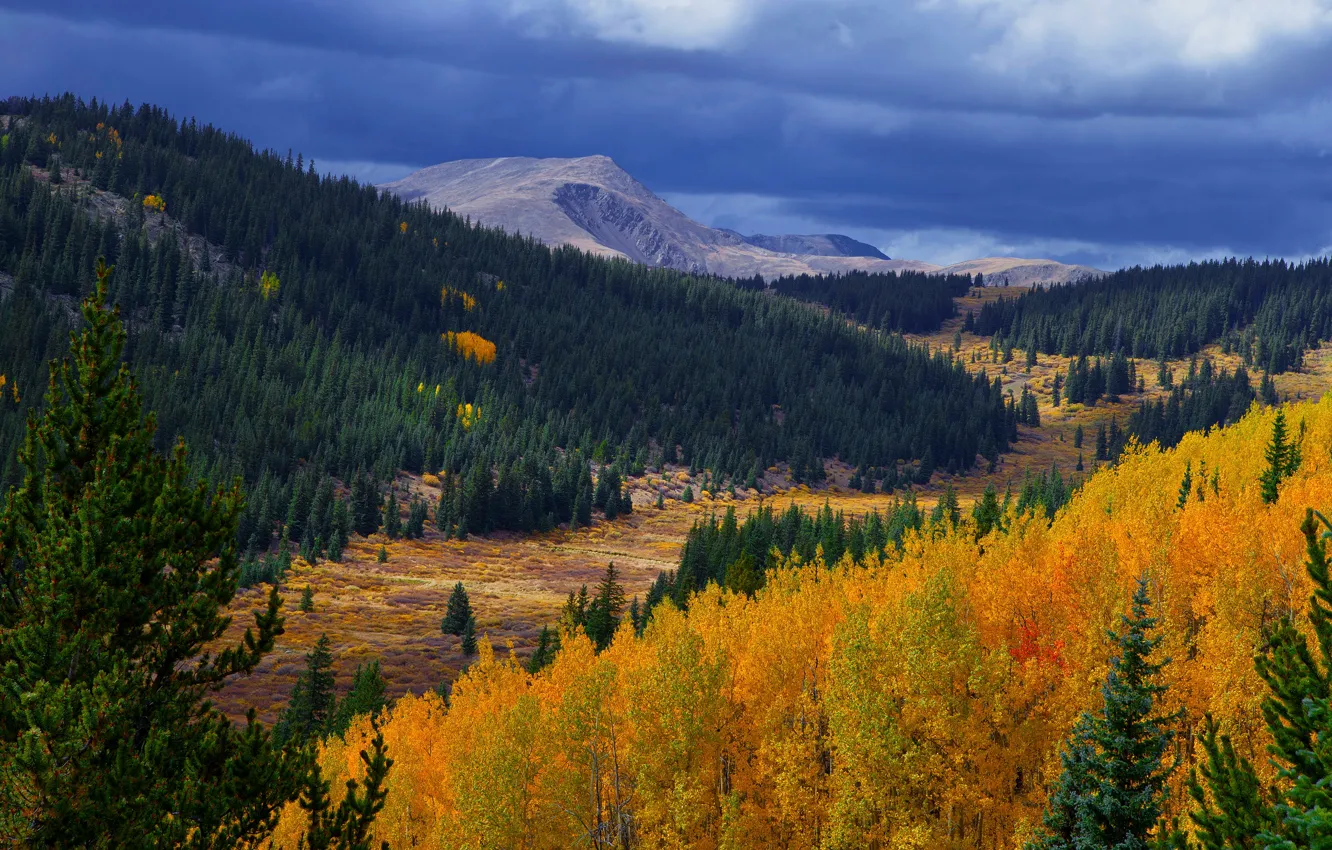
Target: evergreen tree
[1185, 486]
[688, 495]
[987, 512]
[365, 505]
[1115, 775]
[548, 644]
[341, 525]
[416, 517]
[366, 696]
[603, 613]
[469, 637]
[312, 699]
[116, 572]
[347, 827]
[458, 612]
[1282, 459]
[382, 556]
[392, 516]
[307, 599]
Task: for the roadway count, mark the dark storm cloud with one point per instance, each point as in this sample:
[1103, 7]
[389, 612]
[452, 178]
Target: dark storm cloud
[878, 119]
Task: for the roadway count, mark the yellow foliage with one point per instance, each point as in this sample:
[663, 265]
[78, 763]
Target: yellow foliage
[471, 345]
[98, 155]
[420, 388]
[52, 139]
[155, 202]
[468, 415]
[917, 702]
[468, 301]
[402, 227]
[499, 286]
[430, 479]
[268, 285]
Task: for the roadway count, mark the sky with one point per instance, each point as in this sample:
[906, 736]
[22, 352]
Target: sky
[1106, 132]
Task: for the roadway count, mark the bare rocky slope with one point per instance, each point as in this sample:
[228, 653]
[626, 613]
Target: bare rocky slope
[593, 204]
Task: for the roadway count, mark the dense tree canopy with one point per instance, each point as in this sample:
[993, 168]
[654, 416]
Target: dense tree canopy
[283, 319]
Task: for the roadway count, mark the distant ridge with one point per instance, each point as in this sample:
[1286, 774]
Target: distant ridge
[593, 204]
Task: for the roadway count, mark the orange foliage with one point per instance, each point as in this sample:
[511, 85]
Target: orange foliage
[155, 202]
[471, 345]
[468, 301]
[919, 702]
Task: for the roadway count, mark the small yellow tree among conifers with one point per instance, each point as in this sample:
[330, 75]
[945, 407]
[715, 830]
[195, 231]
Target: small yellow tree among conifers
[155, 202]
[471, 345]
[269, 285]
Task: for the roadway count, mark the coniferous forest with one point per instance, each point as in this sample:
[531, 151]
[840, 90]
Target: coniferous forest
[282, 319]
[216, 364]
[1270, 312]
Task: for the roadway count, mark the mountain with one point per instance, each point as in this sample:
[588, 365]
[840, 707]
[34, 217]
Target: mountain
[593, 204]
[822, 245]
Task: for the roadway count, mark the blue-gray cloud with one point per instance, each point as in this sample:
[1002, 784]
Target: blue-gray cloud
[1092, 131]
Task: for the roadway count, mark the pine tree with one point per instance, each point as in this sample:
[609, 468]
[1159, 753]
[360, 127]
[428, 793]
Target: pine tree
[548, 644]
[987, 512]
[469, 637]
[459, 611]
[347, 827]
[1114, 779]
[603, 613]
[392, 516]
[688, 495]
[117, 570]
[1282, 460]
[340, 531]
[366, 696]
[1185, 486]
[382, 556]
[307, 599]
[365, 505]
[1077, 437]
[311, 705]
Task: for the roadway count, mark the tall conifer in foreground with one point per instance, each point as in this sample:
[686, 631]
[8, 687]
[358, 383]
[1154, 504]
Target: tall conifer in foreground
[115, 570]
[1114, 778]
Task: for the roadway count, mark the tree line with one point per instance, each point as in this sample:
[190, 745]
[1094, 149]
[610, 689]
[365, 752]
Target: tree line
[1268, 312]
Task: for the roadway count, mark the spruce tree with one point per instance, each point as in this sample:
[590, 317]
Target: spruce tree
[392, 516]
[307, 599]
[366, 696]
[341, 529]
[1185, 486]
[1282, 460]
[469, 637]
[312, 699]
[117, 570]
[603, 612]
[459, 611]
[1114, 779]
[548, 644]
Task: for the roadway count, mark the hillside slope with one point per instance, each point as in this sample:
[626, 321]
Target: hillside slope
[592, 204]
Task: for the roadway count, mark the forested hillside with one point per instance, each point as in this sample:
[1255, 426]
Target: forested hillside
[335, 327]
[912, 302]
[922, 696]
[1270, 312]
